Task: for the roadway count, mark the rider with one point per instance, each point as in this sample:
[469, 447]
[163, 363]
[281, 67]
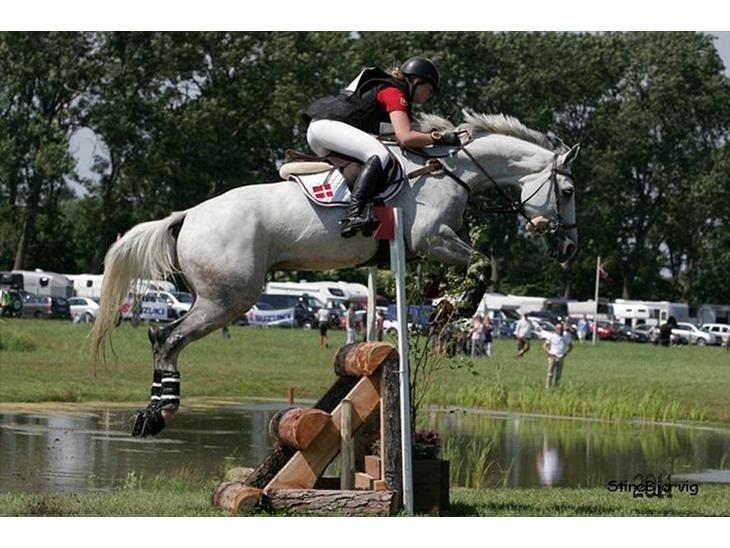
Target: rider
[375, 103]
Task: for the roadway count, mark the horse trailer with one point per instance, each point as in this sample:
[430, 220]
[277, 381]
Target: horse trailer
[38, 282]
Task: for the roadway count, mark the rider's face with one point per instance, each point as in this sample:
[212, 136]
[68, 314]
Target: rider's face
[422, 92]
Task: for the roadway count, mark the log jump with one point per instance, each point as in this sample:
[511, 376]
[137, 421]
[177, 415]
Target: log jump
[306, 441]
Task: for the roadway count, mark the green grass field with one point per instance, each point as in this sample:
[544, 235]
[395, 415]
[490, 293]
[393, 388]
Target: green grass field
[182, 493]
[47, 361]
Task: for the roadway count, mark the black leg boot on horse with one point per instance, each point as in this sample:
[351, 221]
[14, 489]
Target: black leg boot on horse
[360, 212]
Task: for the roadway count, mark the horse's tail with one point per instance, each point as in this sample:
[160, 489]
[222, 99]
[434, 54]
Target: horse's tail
[146, 251]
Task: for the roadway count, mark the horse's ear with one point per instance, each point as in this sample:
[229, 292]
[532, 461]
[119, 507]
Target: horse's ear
[571, 155]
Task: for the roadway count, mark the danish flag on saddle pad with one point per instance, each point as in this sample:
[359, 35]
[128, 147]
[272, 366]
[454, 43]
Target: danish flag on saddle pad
[323, 191]
[329, 188]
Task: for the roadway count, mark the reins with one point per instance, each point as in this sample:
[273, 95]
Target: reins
[434, 164]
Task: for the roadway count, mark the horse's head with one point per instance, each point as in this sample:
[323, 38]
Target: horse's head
[549, 203]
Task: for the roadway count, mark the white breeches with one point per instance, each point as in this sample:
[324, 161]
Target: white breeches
[325, 136]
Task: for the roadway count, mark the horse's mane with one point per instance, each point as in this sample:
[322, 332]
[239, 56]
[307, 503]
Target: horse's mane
[492, 123]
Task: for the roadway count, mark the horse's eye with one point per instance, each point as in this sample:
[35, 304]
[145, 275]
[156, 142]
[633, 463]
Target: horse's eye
[567, 192]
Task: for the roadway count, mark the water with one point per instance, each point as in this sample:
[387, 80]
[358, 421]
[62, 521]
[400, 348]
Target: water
[92, 450]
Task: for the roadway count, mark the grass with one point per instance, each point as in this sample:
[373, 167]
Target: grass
[46, 361]
[185, 493]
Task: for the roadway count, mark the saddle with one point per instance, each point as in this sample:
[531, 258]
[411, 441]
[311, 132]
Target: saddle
[301, 163]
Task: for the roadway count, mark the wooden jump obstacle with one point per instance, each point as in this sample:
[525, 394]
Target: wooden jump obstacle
[306, 441]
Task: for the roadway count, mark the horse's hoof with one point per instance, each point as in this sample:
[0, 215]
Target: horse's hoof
[148, 422]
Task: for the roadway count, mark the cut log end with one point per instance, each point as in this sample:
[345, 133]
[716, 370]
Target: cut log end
[363, 359]
[297, 428]
[234, 496]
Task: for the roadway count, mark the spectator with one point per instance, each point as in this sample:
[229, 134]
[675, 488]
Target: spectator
[523, 331]
[476, 334]
[582, 328]
[487, 330]
[323, 320]
[557, 346]
[665, 331]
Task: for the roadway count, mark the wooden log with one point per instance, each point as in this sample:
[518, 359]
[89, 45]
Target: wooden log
[297, 427]
[362, 359]
[329, 502]
[280, 454]
[303, 469]
[234, 495]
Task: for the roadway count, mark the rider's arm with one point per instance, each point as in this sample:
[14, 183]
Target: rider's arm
[405, 134]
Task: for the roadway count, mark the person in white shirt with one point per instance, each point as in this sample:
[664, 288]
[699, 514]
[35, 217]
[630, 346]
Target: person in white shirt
[323, 319]
[557, 346]
[523, 330]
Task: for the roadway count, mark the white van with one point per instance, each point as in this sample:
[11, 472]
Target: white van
[178, 302]
[720, 332]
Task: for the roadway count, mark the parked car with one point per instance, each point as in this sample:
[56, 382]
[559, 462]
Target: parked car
[541, 327]
[85, 307]
[720, 331]
[606, 330]
[178, 302]
[692, 333]
[627, 333]
[41, 306]
[650, 332]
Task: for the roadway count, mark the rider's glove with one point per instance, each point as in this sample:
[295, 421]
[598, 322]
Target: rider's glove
[446, 139]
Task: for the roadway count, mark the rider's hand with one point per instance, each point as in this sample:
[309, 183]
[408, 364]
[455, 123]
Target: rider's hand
[446, 139]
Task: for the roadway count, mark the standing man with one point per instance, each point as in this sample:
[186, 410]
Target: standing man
[523, 331]
[582, 328]
[557, 346]
[323, 320]
[350, 325]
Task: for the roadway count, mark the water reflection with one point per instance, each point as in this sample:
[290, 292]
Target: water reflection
[549, 465]
[522, 451]
[92, 450]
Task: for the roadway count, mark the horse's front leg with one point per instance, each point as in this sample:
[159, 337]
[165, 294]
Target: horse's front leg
[447, 247]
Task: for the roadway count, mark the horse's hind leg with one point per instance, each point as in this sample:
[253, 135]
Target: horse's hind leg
[205, 316]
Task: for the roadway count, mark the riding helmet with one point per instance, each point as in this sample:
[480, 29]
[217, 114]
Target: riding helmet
[422, 68]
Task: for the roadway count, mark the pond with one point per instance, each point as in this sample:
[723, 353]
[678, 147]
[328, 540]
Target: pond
[90, 449]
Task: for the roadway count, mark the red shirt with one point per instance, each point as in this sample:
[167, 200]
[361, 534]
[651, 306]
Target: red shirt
[392, 99]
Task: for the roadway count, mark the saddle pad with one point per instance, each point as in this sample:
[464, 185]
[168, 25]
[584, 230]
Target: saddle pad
[329, 188]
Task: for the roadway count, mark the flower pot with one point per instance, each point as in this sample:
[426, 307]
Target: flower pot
[430, 486]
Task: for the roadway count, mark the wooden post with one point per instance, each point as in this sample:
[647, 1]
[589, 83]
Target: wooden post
[347, 450]
[290, 395]
[398, 266]
[390, 434]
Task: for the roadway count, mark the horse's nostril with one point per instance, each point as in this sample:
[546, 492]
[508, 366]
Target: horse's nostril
[569, 250]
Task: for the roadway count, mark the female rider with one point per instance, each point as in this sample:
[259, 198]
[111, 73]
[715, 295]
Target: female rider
[376, 103]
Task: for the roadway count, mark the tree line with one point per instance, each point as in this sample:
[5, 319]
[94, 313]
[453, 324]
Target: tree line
[182, 117]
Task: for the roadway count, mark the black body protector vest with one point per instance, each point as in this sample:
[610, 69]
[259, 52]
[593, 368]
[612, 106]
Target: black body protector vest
[357, 104]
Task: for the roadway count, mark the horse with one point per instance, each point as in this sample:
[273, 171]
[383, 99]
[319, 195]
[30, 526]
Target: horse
[225, 246]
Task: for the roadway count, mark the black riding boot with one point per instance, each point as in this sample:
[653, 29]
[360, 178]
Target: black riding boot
[359, 212]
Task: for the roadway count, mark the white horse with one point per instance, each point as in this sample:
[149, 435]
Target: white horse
[225, 246]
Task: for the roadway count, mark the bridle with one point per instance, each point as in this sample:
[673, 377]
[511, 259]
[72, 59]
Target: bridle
[549, 227]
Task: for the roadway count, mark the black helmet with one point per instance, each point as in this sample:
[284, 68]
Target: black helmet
[423, 68]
